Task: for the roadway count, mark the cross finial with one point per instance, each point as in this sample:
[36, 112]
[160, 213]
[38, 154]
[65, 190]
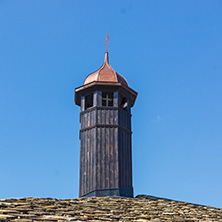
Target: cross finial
[106, 42]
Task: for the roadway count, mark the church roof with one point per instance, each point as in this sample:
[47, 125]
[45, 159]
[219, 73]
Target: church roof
[144, 208]
[105, 74]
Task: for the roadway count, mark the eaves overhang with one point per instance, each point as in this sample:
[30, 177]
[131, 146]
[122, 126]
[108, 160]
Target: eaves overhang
[108, 86]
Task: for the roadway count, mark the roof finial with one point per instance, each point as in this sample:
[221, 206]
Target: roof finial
[106, 42]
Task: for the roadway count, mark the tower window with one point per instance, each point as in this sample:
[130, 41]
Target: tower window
[124, 103]
[88, 101]
[107, 99]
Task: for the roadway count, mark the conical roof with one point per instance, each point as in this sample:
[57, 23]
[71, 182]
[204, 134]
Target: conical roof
[105, 74]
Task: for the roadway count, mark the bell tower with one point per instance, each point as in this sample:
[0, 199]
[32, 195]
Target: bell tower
[105, 100]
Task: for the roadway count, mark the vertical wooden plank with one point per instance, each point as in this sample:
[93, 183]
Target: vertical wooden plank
[96, 151]
[116, 99]
[106, 116]
[124, 156]
[127, 159]
[98, 116]
[127, 163]
[94, 117]
[120, 157]
[91, 116]
[101, 158]
[82, 103]
[98, 157]
[88, 119]
[95, 98]
[82, 120]
[91, 159]
[127, 122]
[130, 123]
[103, 116]
[107, 156]
[87, 162]
[111, 160]
[130, 154]
[84, 164]
[94, 158]
[103, 155]
[82, 167]
[130, 161]
[116, 157]
[124, 120]
[99, 98]
[86, 158]
[122, 160]
[115, 117]
[110, 116]
[81, 162]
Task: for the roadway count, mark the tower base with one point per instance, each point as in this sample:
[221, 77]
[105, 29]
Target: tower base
[121, 192]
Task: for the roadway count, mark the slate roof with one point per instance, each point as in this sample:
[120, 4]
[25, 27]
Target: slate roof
[105, 209]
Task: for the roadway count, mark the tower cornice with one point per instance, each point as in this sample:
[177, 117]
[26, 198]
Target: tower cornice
[90, 87]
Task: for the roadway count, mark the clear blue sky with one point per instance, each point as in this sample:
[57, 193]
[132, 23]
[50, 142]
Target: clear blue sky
[169, 51]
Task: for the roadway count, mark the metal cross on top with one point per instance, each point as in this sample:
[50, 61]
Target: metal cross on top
[106, 42]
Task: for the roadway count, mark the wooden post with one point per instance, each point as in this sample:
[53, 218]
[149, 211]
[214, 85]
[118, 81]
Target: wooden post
[97, 98]
[83, 103]
[116, 99]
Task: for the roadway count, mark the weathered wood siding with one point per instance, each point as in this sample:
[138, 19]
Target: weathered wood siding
[125, 149]
[106, 161]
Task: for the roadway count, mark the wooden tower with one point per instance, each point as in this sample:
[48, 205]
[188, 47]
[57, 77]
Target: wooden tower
[106, 151]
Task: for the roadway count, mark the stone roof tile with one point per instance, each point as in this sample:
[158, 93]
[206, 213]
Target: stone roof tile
[143, 208]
